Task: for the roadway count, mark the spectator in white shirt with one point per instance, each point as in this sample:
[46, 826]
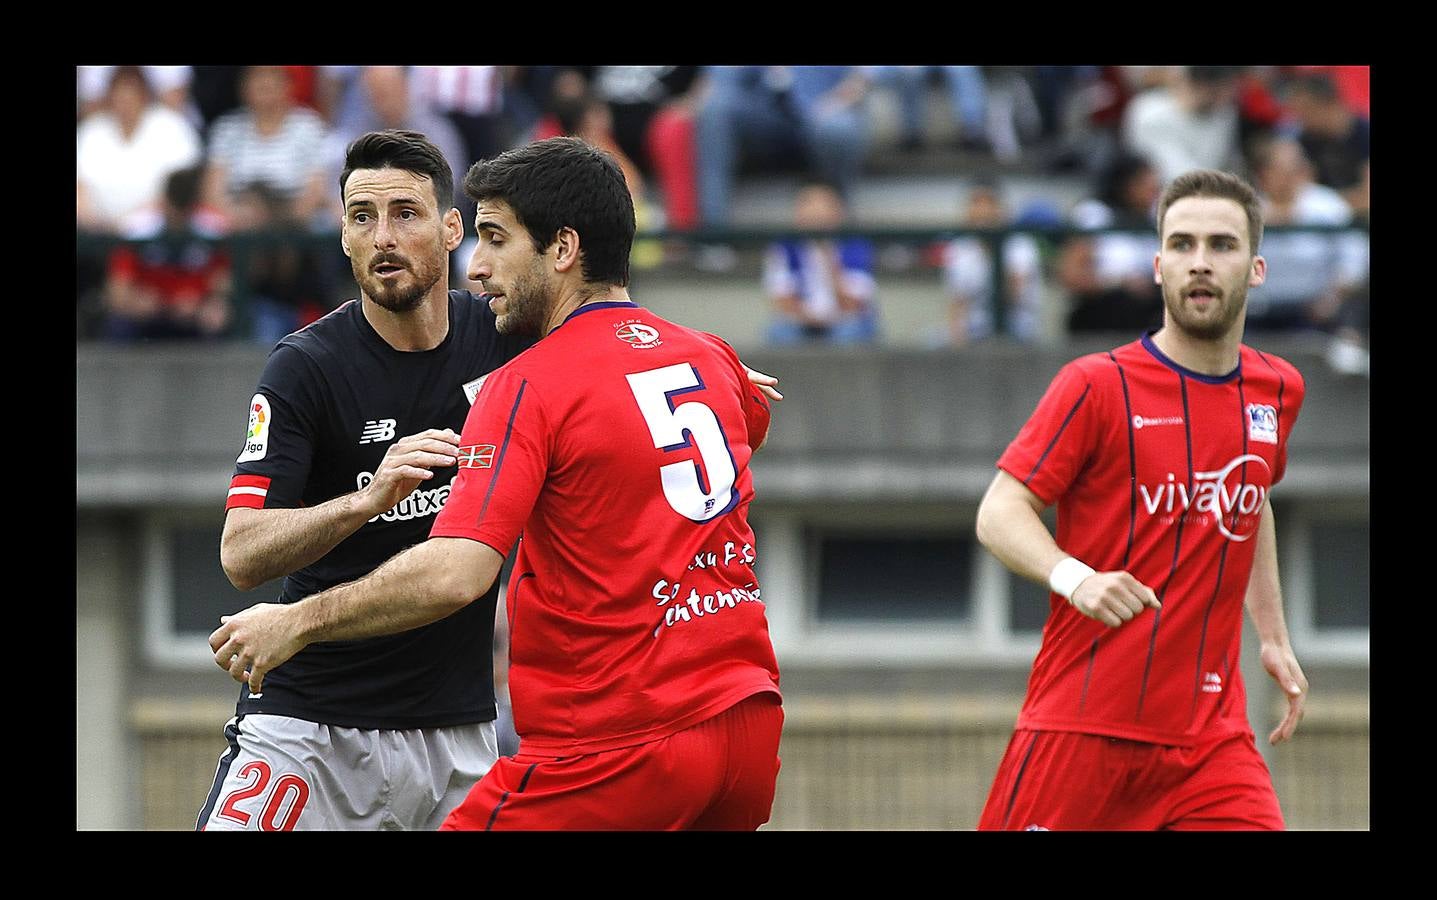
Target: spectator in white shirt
[125, 151]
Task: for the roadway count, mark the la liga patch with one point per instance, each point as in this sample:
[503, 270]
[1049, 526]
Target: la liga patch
[256, 439]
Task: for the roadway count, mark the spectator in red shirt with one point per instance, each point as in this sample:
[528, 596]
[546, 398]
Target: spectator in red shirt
[176, 285]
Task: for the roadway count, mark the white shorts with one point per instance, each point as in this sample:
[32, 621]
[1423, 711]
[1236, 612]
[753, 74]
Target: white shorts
[285, 774]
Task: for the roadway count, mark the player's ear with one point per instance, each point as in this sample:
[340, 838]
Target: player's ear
[453, 229]
[1259, 272]
[566, 249]
[343, 219]
[1157, 268]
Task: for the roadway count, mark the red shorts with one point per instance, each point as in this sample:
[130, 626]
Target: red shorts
[718, 775]
[1052, 780]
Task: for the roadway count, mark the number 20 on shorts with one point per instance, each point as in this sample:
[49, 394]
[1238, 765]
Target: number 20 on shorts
[288, 788]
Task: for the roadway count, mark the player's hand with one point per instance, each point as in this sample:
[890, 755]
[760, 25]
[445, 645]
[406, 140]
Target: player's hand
[1113, 597]
[252, 642]
[407, 463]
[1281, 664]
[766, 383]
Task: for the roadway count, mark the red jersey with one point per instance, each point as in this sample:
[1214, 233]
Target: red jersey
[1160, 471]
[619, 445]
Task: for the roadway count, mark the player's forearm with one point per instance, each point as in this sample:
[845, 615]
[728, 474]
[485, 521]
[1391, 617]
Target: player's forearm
[1264, 589]
[1013, 531]
[261, 544]
[423, 584]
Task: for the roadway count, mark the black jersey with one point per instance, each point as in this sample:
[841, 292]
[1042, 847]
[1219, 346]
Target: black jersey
[332, 399]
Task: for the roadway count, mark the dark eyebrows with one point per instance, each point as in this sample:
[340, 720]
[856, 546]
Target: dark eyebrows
[486, 225]
[397, 201]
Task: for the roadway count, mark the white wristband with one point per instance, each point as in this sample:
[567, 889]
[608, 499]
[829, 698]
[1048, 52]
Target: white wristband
[1067, 575]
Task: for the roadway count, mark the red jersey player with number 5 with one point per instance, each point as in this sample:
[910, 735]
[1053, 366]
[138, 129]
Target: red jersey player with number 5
[644, 683]
[1160, 455]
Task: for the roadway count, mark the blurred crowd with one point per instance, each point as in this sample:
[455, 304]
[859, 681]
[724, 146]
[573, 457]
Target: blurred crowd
[198, 182]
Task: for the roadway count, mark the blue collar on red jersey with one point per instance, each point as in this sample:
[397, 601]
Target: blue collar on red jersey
[1161, 357]
[607, 304]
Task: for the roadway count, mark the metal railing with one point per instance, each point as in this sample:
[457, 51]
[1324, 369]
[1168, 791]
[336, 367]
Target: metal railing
[95, 248]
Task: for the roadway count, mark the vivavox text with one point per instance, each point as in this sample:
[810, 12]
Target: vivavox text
[1233, 495]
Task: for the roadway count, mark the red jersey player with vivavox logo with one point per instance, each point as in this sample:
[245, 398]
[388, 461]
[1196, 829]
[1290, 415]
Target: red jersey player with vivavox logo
[644, 684]
[1160, 456]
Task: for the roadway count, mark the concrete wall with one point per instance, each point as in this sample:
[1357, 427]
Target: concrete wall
[161, 426]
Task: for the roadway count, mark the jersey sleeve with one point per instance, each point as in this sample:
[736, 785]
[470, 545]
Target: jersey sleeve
[274, 463]
[757, 412]
[504, 453]
[1055, 443]
[1296, 390]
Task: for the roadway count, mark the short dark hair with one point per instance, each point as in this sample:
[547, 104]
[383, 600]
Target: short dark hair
[406, 150]
[564, 182]
[1212, 183]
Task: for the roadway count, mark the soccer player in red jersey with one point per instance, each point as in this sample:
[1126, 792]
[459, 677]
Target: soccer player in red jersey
[643, 680]
[1160, 455]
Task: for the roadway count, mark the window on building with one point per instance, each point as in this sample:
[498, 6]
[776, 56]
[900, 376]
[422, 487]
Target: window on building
[915, 577]
[186, 590]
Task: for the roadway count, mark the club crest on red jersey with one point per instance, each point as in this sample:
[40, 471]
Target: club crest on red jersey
[1262, 423]
[476, 456]
[638, 335]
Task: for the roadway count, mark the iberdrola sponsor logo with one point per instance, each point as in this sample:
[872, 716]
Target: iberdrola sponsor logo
[1232, 495]
[416, 505]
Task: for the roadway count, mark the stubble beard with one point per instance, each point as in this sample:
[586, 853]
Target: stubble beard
[527, 304]
[398, 298]
[1205, 327]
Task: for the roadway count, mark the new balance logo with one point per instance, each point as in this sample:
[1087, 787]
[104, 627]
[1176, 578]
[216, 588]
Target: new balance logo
[377, 430]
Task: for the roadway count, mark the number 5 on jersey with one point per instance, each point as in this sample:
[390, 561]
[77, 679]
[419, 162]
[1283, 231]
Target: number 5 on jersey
[674, 428]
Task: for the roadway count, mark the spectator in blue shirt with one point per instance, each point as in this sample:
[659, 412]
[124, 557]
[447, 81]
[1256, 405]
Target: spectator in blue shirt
[822, 288]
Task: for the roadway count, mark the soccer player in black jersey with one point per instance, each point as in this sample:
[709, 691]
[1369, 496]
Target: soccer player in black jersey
[352, 443]
[349, 453]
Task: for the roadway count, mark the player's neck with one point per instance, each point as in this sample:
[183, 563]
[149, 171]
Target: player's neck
[422, 328]
[1208, 356]
[581, 296]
